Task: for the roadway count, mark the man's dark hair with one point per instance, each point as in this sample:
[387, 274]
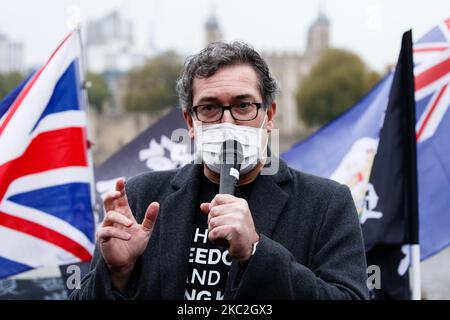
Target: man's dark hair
[218, 55]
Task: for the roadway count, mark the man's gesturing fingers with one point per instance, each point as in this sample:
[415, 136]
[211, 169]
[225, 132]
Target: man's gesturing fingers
[109, 200]
[150, 216]
[117, 200]
[112, 217]
[106, 233]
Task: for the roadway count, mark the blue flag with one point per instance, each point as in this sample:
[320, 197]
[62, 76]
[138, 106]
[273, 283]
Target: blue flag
[344, 149]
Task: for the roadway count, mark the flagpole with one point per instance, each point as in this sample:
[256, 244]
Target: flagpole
[412, 174]
[84, 86]
[415, 264]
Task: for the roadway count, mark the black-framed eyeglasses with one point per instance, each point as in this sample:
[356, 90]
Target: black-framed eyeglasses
[243, 111]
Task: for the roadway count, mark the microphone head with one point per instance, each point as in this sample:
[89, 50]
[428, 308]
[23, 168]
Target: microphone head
[232, 153]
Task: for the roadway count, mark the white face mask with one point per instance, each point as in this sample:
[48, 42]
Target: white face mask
[209, 139]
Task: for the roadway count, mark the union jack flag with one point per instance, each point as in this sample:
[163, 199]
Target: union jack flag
[432, 75]
[45, 199]
[432, 78]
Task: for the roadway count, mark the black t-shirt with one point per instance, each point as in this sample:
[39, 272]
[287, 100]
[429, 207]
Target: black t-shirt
[209, 264]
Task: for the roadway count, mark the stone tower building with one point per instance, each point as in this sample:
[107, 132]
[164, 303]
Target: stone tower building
[289, 68]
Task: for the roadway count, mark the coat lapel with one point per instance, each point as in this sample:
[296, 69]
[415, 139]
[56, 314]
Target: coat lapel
[268, 199]
[177, 215]
[266, 203]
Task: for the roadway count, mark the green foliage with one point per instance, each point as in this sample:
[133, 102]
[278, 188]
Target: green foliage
[151, 88]
[335, 83]
[99, 92]
[8, 81]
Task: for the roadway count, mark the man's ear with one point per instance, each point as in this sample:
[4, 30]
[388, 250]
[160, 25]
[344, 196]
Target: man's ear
[189, 122]
[271, 112]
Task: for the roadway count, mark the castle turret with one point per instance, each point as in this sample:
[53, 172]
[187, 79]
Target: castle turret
[318, 35]
[212, 30]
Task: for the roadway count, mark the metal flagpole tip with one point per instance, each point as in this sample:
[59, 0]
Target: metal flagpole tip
[86, 84]
[73, 17]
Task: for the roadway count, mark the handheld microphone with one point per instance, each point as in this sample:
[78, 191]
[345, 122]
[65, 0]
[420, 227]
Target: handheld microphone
[231, 157]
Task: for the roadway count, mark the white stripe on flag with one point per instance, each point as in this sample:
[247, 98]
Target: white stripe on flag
[60, 120]
[441, 57]
[424, 57]
[435, 119]
[433, 84]
[445, 30]
[47, 220]
[427, 45]
[432, 87]
[32, 251]
[47, 179]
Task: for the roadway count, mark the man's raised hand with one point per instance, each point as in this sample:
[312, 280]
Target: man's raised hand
[121, 239]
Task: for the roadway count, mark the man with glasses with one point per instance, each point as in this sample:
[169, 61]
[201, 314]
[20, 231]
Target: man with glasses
[170, 235]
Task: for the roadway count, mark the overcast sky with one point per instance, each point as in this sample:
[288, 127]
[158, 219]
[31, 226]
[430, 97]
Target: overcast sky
[371, 28]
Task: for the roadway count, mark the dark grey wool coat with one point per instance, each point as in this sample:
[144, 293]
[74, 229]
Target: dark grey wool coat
[311, 245]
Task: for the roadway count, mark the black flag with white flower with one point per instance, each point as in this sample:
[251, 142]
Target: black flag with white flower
[389, 219]
[163, 146]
